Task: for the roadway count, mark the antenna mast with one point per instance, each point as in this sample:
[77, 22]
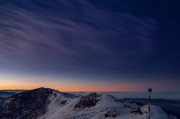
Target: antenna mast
[149, 90]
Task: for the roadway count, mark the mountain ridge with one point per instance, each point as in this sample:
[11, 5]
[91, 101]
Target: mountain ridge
[46, 103]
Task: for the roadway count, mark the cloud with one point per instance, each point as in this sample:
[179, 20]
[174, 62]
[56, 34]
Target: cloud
[73, 33]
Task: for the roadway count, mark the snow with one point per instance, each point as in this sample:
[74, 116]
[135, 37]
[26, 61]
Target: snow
[107, 101]
[106, 104]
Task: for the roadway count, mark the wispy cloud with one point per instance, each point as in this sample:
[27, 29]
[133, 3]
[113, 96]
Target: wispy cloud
[72, 32]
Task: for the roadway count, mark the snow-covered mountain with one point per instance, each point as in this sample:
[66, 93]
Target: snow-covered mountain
[44, 103]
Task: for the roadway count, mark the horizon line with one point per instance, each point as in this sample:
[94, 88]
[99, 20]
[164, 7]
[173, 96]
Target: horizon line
[174, 92]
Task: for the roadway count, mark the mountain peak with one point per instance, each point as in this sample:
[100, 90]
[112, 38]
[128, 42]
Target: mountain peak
[43, 89]
[26, 104]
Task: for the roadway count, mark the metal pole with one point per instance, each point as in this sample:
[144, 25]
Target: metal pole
[149, 90]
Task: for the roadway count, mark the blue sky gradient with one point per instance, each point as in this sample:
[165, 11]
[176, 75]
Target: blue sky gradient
[90, 40]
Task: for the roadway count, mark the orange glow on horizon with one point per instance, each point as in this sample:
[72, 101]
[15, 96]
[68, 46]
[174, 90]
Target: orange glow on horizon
[74, 85]
[71, 88]
[62, 84]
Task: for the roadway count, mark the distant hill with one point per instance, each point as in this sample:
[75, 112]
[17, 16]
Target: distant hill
[8, 93]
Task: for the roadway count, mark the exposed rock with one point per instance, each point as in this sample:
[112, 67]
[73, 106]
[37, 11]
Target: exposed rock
[63, 102]
[87, 101]
[112, 112]
[137, 111]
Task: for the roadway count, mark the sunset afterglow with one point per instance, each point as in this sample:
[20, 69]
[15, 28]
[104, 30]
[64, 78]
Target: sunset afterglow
[89, 45]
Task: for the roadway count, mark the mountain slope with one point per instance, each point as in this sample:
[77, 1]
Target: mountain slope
[25, 105]
[44, 103]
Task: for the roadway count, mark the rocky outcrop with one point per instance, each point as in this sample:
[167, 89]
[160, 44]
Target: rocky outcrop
[137, 111]
[87, 101]
[112, 112]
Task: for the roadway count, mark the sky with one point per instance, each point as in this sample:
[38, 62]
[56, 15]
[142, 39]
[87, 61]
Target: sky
[90, 45]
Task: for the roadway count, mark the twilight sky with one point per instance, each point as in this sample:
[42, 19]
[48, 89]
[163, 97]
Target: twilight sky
[90, 45]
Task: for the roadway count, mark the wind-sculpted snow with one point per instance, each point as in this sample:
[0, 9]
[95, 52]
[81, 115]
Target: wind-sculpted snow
[46, 103]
